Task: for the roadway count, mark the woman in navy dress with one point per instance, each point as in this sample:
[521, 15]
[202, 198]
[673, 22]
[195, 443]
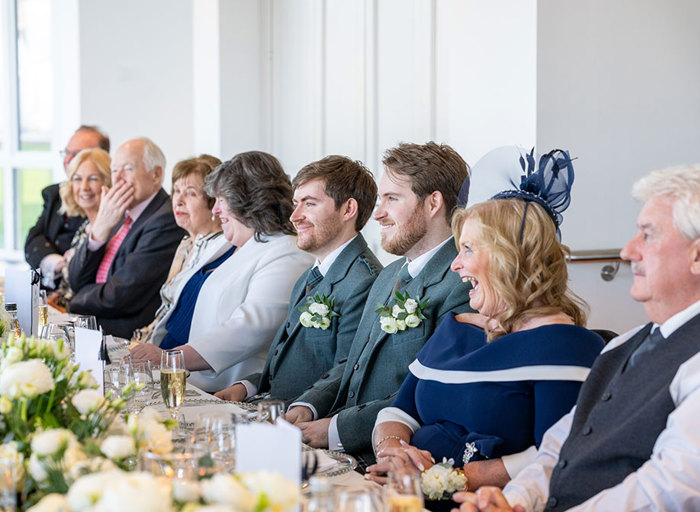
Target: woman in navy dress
[524, 356]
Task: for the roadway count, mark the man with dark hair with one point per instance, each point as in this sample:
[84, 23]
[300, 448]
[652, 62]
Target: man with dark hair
[632, 440]
[117, 272]
[417, 194]
[53, 232]
[333, 199]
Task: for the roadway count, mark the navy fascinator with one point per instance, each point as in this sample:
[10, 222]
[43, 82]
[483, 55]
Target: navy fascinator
[547, 183]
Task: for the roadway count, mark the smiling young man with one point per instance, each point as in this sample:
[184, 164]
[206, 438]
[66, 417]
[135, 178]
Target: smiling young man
[333, 199]
[117, 272]
[632, 440]
[417, 195]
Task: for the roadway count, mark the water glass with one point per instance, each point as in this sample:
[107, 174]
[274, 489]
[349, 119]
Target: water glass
[8, 485]
[270, 410]
[143, 374]
[403, 490]
[357, 501]
[86, 322]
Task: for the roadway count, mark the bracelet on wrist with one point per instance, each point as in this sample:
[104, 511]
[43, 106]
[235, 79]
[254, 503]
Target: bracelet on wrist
[385, 438]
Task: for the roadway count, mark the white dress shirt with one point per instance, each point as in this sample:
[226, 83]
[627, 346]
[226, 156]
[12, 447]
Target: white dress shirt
[669, 480]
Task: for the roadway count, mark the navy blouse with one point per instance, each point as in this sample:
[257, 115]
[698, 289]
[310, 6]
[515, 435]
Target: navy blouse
[502, 396]
[180, 321]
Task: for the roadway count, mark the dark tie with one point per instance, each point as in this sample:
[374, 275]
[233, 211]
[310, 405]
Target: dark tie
[404, 278]
[314, 278]
[653, 338]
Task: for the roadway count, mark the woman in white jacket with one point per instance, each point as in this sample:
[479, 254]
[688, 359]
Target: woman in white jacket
[229, 309]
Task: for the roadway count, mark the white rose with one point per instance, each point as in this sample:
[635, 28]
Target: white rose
[26, 378]
[434, 481]
[185, 490]
[325, 323]
[36, 468]
[412, 321]
[397, 310]
[118, 447]
[136, 492]
[73, 456]
[87, 400]
[49, 442]
[51, 503]
[401, 325]
[157, 438]
[388, 324]
[87, 490]
[279, 491]
[319, 309]
[305, 319]
[456, 482]
[5, 404]
[410, 305]
[226, 490]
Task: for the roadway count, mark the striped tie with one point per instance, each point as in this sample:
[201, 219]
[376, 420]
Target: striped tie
[111, 251]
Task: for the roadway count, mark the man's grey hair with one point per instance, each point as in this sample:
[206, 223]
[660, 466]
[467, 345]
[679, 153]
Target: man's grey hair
[152, 156]
[682, 183]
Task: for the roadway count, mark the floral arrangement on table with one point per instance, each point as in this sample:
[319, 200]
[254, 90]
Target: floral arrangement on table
[405, 313]
[441, 480]
[57, 425]
[317, 312]
[116, 490]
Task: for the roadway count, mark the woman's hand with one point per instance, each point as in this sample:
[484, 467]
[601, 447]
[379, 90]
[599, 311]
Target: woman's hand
[146, 352]
[398, 455]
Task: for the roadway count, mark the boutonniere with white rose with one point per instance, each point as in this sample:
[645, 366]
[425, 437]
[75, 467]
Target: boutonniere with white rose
[317, 312]
[404, 313]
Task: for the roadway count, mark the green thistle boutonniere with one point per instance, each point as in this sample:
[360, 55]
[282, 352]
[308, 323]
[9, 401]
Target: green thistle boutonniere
[405, 313]
[317, 312]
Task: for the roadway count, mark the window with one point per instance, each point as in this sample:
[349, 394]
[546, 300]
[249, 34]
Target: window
[27, 150]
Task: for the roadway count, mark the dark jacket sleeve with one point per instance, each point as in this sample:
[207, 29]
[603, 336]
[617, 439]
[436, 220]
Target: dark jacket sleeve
[38, 244]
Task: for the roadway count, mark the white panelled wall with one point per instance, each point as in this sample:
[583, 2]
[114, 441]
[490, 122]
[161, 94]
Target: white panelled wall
[613, 81]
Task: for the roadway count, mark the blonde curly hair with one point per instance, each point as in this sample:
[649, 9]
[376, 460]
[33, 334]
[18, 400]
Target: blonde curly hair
[102, 161]
[528, 271]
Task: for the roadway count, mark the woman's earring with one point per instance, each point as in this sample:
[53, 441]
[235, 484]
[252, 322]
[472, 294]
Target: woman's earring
[213, 217]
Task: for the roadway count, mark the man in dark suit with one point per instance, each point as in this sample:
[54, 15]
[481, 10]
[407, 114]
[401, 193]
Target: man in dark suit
[53, 232]
[418, 193]
[117, 272]
[632, 440]
[333, 200]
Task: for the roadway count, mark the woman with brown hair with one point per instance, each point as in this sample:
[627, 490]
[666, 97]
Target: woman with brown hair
[228, 311]
[526, 352]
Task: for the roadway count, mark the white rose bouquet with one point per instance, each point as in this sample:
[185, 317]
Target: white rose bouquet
[441, 480]
[317, 312]
[404, 313]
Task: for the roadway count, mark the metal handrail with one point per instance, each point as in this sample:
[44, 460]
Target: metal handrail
[595, 255]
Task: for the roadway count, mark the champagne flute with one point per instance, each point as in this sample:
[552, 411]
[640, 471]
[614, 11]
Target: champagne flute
[43, 311]
[172, 379]
[404, 493]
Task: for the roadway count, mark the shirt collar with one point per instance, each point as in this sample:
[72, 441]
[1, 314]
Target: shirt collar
[680, 318]
[137, 210]
[415, 266]
[328, 260]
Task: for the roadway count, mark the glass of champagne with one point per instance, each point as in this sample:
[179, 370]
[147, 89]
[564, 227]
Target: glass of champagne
[43, 312]
[172, 379]
[403, 493]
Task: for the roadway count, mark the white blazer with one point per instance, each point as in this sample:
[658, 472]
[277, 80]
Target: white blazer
[240, 307]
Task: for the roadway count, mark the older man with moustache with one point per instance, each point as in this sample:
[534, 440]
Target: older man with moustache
[53, 232]
[333, 199]
[632, 441]
[418, 192]
[117, 272]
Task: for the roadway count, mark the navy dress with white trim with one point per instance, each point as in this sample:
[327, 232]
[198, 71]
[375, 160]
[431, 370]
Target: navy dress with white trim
[502, 396]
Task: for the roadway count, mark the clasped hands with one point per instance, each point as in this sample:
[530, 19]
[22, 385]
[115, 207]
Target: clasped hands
[313, 432]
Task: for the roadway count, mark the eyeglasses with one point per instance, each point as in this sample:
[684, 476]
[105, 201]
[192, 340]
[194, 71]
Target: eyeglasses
[66, 152]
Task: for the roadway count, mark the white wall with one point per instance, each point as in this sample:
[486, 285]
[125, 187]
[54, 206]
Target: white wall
[618, 85]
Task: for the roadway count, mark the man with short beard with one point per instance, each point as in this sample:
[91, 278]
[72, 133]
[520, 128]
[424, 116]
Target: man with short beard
[418, 193]
[333, 200]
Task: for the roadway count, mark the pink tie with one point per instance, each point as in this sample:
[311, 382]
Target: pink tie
[111, 251]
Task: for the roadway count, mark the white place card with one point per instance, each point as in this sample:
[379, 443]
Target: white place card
[87, 353]
[267, 447]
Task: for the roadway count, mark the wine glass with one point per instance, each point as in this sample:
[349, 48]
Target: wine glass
[270, 410]
[172, 379]
[43, 320]
[357, 501]
[403, 492]
[86, 322]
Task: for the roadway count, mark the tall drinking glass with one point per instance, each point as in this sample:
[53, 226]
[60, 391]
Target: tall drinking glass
[172, 380]
[43, 311]
[403, 493]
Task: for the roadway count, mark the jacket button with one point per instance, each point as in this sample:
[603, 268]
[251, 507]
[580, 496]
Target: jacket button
[289, 324]
[356, 367]
[326, 375]
[562, 464]
[587, 430]
[552, 502]
[351, 394]
[277, 351]
[606, 396]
